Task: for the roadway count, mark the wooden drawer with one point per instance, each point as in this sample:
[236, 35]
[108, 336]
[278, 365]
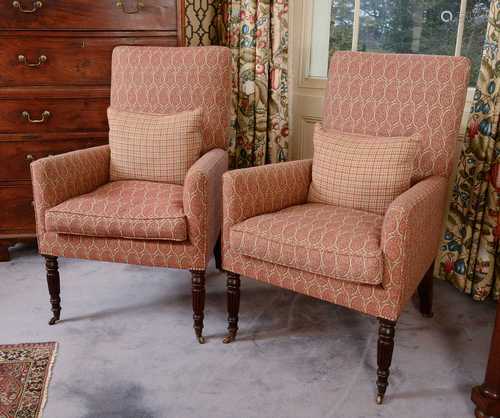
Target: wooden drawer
[17, 155]
[88, 15]
[63, 60]
[16, 209]
[65, 115]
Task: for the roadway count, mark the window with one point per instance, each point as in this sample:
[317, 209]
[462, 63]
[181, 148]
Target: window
[443, 27]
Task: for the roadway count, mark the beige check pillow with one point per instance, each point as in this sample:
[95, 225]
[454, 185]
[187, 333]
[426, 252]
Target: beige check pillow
[151, 147]
[360, 171]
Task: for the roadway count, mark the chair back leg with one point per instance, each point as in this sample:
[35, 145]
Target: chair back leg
[233, 306]
[425, 293]
[218, 254]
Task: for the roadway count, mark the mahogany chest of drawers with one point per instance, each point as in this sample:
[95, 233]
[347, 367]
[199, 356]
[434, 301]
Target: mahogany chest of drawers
[55, 69]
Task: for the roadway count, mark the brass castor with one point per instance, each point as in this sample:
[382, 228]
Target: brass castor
[229, 338]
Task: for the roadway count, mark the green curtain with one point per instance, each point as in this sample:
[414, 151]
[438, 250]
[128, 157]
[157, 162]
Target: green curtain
[468, 253]
[256, 31]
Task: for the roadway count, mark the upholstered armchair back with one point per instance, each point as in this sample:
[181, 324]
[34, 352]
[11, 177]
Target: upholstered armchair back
[400, 94]
[170, 80]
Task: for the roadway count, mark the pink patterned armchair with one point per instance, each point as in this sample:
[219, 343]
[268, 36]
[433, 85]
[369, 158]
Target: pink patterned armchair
[369, 262]
[81, 214]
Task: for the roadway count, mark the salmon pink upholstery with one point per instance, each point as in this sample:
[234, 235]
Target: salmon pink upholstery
[123, 209]
[400, 95]
[329, 240]
[62, 177]
[376, 94]
[148, 80]
[409, 238]
[172, 80]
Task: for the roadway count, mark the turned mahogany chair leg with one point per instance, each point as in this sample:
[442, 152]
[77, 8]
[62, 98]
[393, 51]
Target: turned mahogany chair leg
[385, 349]
[198, 292]
[54, 285]
[218, 254]
[425, 293]
[233, 306]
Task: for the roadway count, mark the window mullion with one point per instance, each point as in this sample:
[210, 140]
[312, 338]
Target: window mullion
[355, 25]
[460, 31]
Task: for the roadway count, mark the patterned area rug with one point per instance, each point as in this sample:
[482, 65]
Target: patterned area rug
[24, 377]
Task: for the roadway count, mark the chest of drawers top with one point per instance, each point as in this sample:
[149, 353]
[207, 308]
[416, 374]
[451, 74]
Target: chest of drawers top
[88, 15]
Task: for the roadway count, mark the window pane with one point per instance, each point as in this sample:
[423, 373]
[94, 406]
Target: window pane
[331, 31]
[409, 26]
[476, 19]
[320, 38]
[341, 23]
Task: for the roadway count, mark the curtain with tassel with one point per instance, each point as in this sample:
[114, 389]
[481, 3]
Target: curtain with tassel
[469, 249]
[256, 31]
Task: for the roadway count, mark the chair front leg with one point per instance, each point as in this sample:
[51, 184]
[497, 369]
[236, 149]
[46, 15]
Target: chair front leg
[198, 293]
[385, 349]
[425, 293]
[233, 306]
[54, 285]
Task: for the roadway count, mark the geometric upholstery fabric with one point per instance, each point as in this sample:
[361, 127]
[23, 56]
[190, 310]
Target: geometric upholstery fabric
[123, 209]
[164, 80]
[332, 241]
[400, 95]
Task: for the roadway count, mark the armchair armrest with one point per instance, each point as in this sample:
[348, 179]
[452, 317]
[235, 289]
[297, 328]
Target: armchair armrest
[202, 199]
[254, 191]
[61, 177]
[411, 235]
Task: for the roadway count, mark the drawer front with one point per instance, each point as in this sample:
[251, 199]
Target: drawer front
[18, 155]
[40, 61]
[53, 115]
[88, 15]
[16, 209]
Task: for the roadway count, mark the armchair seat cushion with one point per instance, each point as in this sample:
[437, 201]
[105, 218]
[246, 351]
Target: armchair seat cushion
[123, 209]
[336, 242]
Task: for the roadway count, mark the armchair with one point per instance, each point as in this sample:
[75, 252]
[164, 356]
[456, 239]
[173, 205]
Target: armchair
[369, 262]
[81, 214]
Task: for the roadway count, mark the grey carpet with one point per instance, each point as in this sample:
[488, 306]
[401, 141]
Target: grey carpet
[127, 348]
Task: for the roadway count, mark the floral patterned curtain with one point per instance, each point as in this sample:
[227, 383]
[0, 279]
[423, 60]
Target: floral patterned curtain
[257, 33]
[258, 38]
[470, 244]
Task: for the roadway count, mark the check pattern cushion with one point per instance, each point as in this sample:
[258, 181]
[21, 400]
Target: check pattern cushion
[160, 80]
[409, 238]
[360, 172]
[332, 241]
[123, 209]
[158, 148]
[400, 95]
[62, 177]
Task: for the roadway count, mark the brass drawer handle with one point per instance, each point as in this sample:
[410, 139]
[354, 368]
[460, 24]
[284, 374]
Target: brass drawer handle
[139, 6]
[45, 115]
[30, 158]
[36, 5]
[23, 60]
